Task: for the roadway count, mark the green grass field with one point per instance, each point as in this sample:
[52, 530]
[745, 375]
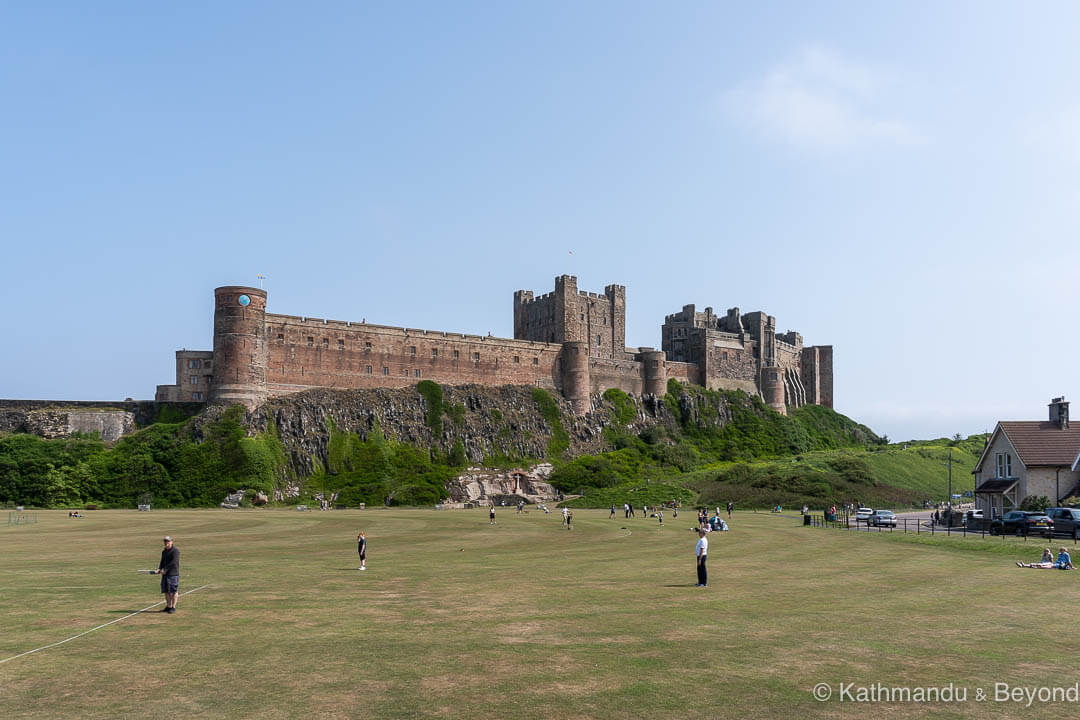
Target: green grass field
[458, 619]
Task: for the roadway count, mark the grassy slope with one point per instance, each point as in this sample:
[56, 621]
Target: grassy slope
[458, 619]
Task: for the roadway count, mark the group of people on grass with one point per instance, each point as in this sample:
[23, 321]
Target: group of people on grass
[1049, 562]
[711, 524]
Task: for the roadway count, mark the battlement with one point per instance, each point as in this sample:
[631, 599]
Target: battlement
[567, 339]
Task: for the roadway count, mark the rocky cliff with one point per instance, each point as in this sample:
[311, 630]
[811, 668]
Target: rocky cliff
[490, 422]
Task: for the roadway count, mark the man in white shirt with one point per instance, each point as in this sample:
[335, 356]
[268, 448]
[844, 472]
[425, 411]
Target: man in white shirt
[701, 552]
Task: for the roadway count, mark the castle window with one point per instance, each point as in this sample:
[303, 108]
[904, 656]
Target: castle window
[367, 347]
[193, 379]
[416, 373]
[723, 355]
[405, 372]
[455, 354]
[340, 344]
[310, 341]
[196, 396]
[582, 317]
[517, 360]
[193, 364]
[326, 342]
[281, 338]
[412, 350]
[476, 357]
[367, 370]
[605, 319]
[386, 371]
[597, 339]
[536, 361]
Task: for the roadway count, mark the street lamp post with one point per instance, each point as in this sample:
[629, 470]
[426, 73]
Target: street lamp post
[950, 487]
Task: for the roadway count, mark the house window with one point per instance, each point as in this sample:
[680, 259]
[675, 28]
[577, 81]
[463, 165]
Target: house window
[193, 364]
[1004, 465]
[386, 371]
[455, 354]
[310, 341]
[367, 347]
[434, 352]
[193, 379]
[340, 344]
[416, 373]
[367, 370]
[196, 396]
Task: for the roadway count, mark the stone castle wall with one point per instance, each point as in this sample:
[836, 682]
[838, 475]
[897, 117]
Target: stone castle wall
[567, 340]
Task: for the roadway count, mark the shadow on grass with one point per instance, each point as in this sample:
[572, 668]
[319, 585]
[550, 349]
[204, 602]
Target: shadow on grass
[683, 585]
[133, 612]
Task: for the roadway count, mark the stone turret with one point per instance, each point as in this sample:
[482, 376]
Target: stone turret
[772, 388]
[240, 352]
[575, 378]
[654, 371]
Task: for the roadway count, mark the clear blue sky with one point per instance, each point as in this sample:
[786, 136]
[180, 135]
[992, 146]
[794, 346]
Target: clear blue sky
[898, 180]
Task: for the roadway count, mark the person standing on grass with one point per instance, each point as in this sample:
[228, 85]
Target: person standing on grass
[491, 514]
[169, 569]
[660, 517]
[730, 507]
[612, 511]
[565, 510]
[361, 547]
[569, 519]
[701, 551]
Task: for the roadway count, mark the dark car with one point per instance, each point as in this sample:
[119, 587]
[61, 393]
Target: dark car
[1022, 522]
[1066, 521]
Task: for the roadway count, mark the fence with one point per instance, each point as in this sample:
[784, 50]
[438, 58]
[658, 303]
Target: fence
[922, 527]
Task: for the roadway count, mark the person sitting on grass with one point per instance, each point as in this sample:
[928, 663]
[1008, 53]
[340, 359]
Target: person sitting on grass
[1064, 562]
[1045, 563]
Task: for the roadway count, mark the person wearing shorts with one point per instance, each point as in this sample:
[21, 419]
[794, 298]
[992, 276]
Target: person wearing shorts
[361, 547]
[169, 569]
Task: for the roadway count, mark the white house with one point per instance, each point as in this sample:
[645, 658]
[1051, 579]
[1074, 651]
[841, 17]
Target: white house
[1029, 458]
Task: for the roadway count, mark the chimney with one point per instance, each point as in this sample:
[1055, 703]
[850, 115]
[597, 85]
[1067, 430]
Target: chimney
[1059, 413]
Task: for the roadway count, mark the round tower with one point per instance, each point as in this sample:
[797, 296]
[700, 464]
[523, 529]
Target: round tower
[654, 372]
[240, 352]
[575, 375]
[772, 388]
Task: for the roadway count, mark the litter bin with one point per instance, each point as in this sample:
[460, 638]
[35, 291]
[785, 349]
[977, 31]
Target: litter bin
[806, 519]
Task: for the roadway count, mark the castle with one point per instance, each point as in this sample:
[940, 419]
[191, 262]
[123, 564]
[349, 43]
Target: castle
[567, 340]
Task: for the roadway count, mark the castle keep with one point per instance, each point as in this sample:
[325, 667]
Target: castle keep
[567, 340]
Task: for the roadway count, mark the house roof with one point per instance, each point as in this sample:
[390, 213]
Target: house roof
[1041, 442]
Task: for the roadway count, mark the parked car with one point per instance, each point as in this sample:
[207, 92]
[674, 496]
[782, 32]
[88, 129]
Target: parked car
[1066, 521]
[882, 518]
[863, 514]
[1023, 522]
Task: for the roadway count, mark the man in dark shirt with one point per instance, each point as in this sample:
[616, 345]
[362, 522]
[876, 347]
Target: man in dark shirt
[169, 569]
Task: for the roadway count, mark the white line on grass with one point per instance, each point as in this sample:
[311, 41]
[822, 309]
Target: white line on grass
[87, 632]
